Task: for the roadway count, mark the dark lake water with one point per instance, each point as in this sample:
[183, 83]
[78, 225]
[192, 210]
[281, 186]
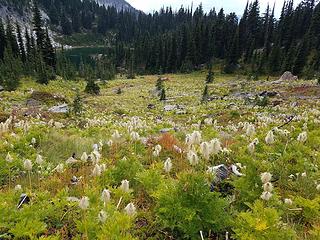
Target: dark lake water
[86, 53]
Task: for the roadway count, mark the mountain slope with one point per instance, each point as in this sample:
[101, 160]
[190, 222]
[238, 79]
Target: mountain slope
[118, 4]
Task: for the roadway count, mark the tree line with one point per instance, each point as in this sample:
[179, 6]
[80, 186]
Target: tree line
[167, 41]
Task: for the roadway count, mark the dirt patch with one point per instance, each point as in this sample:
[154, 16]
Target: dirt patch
[46, 97]
[303, 91]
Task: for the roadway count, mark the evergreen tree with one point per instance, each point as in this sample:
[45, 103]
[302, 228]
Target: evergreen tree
[163, 96]
[21, 44]
[77, 105]
[210, 75]
[10, 71]
[205, 94]
[38, 25]
[92, 87]
[2, 39]
[11, 38]
[48, 51]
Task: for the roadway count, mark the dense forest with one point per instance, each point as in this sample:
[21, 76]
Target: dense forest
[167, 41]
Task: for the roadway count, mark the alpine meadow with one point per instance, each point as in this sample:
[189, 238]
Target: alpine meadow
[178, 124]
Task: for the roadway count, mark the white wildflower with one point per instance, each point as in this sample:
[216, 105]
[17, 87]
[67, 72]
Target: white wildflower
[27, 164]
[270, 138]
[134, 136]
[59, 168]
[168, 165]
[158, 148]
[303, 137]
[196, 138]
[18, 188]
[105, 196]
[266, 196]
[124, 185]
[268, 187]
[205, 150]
[304, 174]
[84, 157]
[84, 203]
[39, 160]
[288, 201]
[251, 131]
[116, 137]
[193, 158]
[130, 209]
[266, 177]
[215, 146]
[318, 187]
[102, 216]
[96, 171]
[9, 159]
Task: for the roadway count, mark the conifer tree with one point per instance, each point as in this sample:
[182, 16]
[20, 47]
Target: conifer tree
[38, 25]
[21, 44]
[10, 71]
[205, 94]
[77, 105]
[92, 87]
[210, 75]
[2, 39]
[163, 96]
[11, 38]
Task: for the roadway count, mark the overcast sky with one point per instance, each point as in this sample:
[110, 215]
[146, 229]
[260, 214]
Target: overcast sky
[236, 6]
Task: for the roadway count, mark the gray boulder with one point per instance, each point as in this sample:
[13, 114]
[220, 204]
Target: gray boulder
[64, 108]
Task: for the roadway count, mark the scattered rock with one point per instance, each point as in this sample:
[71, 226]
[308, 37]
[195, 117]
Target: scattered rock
[166, 130]
[169, 108]
[24, 199]
[268, 94]
[64, 108]
[288, 76]
[32, 103]
[1, 88]
[151, 106]
[181, 112]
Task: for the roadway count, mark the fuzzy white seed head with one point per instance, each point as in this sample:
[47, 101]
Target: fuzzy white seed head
[116, 137]
[125, 185]
[318, 187]
[158, 148]
[205, 150]
[269, 138]
[177, 149]
[110, 143]
[33, 141]
[84, 157]
[303, 174]
[84, 203]
[193, 158]
[96, 172]
[268, 187]
[251, 148]
[156, 153]
[303, 137]
[196, 138]
[105, 196]
[215, 146]
[288, 201]
[59, 168]
[130, 209]
[134, 136]
[167, 165]
[27, 164]
[266, 177]
[9, 159]
[266, 196]
[102, 216]
[251, 131]
[18, 188]
[39, 160]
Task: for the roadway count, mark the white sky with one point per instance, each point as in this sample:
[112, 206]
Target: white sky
[236, 6]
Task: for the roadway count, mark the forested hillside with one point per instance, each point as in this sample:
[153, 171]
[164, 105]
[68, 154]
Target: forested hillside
[183, 41]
